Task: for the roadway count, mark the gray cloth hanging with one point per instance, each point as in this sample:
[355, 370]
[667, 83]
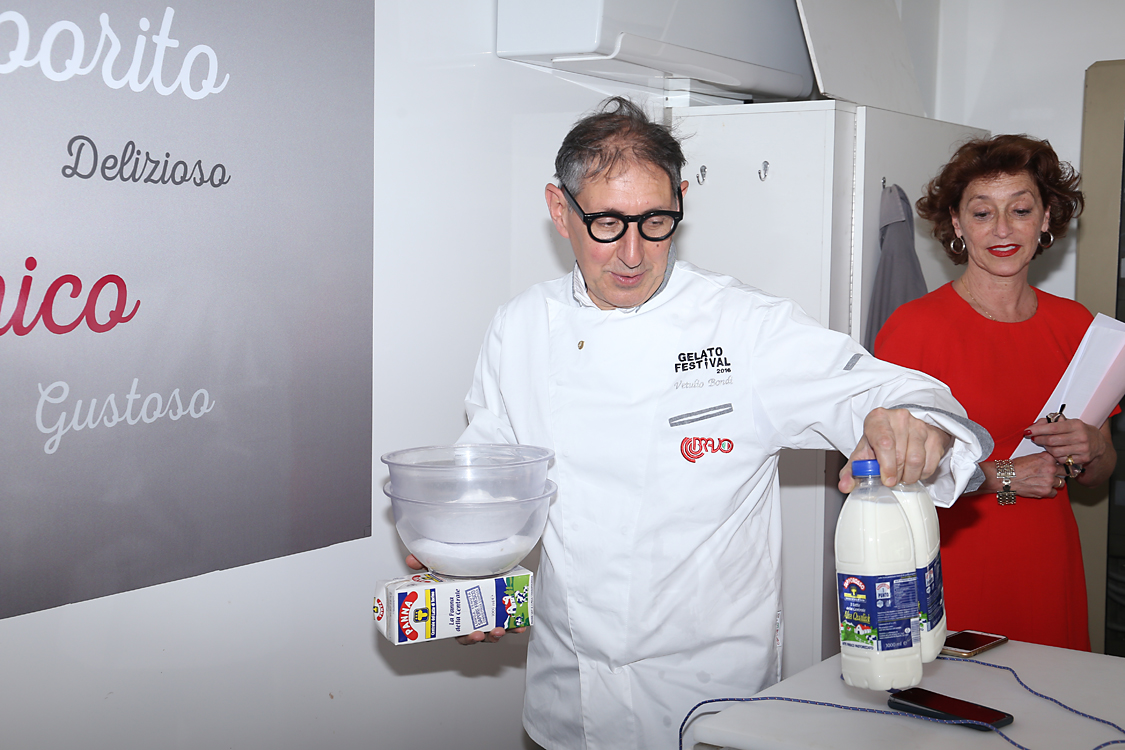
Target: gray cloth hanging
[899, 277]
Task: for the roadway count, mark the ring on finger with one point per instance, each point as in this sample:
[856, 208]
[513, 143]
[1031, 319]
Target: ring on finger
[1072, 469]
[1060, 482]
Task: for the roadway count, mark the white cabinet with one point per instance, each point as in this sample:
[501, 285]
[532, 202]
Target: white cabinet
[785, 197]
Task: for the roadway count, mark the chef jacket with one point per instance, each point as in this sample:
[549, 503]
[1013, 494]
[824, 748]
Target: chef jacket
[658, 583]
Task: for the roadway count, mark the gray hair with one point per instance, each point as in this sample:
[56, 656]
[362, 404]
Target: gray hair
[618, 133]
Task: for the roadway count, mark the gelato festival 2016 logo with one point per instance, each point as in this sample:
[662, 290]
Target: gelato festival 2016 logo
[61, 54]
[710, 358]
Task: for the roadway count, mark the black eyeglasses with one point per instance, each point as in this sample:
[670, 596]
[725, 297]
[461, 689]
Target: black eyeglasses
[610, 226]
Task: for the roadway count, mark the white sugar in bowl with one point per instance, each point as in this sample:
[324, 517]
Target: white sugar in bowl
[471, 538]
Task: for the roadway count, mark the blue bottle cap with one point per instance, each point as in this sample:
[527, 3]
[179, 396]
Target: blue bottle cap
[865, 468]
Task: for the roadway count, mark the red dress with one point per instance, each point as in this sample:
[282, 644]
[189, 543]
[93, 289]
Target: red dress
[1009, 569]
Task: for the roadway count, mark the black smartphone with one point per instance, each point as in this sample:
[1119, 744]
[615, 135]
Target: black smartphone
[967, 643]
[937, 706]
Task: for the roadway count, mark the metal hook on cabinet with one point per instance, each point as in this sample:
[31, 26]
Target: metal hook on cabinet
[764, 172]
[701, 176]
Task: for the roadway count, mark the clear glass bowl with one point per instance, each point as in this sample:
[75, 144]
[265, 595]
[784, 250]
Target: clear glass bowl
[480, 472]
[471, 539]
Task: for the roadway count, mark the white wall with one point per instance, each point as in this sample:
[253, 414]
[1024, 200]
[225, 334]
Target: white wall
[284, 654]
[1019, 66]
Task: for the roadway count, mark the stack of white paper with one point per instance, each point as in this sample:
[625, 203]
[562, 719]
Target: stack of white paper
[1093, 383]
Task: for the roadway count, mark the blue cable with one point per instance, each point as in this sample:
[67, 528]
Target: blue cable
[1040, 695]
[845, 708]
[968, 722]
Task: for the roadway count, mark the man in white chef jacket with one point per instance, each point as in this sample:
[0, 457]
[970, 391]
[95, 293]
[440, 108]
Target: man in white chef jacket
[666, 392]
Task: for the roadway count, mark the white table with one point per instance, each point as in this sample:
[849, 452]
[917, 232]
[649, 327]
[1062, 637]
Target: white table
[1092, 683]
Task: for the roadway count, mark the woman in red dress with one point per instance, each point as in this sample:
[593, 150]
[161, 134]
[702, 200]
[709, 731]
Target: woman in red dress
[1011, 556]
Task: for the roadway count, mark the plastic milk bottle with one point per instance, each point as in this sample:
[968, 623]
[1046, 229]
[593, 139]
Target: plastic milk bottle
[877, 587]
[923, 518]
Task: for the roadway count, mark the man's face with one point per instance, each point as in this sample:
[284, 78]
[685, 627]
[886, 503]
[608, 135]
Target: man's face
[624, 273]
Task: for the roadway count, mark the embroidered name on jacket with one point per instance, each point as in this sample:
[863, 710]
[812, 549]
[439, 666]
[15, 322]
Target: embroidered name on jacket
[710, 358]
[693, 448]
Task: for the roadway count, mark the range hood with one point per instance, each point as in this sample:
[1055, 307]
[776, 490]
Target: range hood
[737, 49]
[722, 50]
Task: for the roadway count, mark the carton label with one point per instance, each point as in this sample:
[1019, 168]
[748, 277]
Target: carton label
[416, 615]
[879, 613]
[513, 601]
[427, 606]
[930, 594]
[477, 613]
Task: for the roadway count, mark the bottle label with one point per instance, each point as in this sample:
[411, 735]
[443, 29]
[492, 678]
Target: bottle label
[879, 613]
[930, 594]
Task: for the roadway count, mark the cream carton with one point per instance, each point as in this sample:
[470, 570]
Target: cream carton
[427, 606]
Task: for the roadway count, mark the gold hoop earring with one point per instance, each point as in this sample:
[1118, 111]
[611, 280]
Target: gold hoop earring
[1050, 240]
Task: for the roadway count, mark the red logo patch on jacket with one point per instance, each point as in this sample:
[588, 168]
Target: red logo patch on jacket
[693, 448]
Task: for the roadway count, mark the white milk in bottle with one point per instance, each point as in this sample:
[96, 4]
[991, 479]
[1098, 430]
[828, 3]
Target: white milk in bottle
[923, 518]
[877, 587]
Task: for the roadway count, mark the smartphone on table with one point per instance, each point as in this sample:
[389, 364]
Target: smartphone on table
[937, 706]
[969, 643]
